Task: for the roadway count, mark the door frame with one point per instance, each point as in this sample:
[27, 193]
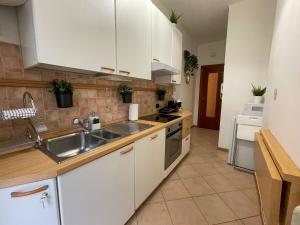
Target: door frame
[202, 92]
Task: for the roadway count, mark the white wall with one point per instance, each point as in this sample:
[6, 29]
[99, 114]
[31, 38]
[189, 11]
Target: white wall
[249, 37]
[283, 114]
[8, 25]
[208, 54]
[184, 91]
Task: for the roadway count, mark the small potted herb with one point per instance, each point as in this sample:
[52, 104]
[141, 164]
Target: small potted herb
[63, 91]
[174, 17]
[126, 93]
[258, 93]
[161, 94]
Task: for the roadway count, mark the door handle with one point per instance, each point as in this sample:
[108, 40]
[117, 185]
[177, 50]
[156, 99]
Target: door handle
[221, 91]
[154, 137]
[126, 151]
[26, 193]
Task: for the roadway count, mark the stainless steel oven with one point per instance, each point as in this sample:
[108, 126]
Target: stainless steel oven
[173, 143]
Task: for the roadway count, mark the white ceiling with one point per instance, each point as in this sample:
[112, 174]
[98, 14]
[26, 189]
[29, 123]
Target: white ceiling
[204, 20]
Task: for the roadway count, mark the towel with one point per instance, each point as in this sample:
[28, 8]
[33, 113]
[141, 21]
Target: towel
[22, 113]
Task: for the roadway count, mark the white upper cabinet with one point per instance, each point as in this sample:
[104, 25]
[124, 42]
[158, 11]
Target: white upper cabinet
[100, 192]
[68, 34]
[161, 37]
[134, 38]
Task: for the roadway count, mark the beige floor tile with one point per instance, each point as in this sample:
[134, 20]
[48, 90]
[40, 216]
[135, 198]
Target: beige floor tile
[252, 194]
[174, 189]
[240, 204]
[197, 186]
[173, 176]
[186, 171]
[219, 183]
[155, 197]
[154, 214]
[205, 169]
[193, 158]
[242, 180]
[252, 221]
[214, 209]
[132, 221]
[237, 222]
[185, 212]
[223, 168]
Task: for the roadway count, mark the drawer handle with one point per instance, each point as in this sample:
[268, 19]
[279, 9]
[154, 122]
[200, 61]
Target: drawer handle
[154, 137]
[173, 81]
[108, 68]
[126, 151]
[187, 138]
[22, 194]
[124, 71]
[156, 60]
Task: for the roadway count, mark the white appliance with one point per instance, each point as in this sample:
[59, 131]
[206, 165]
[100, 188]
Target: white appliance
[245, 126]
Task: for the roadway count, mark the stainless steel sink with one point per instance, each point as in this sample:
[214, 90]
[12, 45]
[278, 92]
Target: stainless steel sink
[67, 146]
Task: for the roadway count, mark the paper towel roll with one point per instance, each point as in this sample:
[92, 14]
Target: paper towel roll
[133, 112]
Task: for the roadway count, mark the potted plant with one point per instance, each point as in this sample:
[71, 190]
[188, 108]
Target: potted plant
[161, 94]
[126, 93]
[258, 93]
[63, 91]
[174, 17]
[190, 65]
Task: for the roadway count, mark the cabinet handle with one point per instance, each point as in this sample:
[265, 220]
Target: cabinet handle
[157, 60]
[26, 193]
[108, 68]
[124, 71]
[154, 137]
[187, 139]
[126, 151]
[173, 81]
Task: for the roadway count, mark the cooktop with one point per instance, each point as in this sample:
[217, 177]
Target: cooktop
[162, 118]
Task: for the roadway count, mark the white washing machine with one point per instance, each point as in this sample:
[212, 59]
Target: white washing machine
[245, 126]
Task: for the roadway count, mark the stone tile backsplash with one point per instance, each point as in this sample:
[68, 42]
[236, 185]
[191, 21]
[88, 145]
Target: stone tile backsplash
[107, 102]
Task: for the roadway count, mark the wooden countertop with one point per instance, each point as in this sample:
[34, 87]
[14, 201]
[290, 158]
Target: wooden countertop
[33, 165]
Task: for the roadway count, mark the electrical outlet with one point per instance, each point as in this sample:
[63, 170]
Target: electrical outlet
[157, 106]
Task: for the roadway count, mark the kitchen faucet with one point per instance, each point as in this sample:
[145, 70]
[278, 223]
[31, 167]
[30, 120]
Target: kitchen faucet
[85, 124]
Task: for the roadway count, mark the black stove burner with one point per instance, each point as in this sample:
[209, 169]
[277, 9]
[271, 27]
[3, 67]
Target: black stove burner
[163, 118]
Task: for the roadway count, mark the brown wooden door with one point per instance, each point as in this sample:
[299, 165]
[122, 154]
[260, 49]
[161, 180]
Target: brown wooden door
[210, 96]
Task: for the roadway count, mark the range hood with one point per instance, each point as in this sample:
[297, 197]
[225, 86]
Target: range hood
[159, 68]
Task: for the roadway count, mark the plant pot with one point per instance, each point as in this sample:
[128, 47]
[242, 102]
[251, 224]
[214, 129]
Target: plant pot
[127, 98]
[161, 96]
[64, 100]
[258, 99]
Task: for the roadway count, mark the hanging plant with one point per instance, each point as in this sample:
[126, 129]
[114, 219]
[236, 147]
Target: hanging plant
[174, 17]
[63, 91]
[126, 93]
[190, 65]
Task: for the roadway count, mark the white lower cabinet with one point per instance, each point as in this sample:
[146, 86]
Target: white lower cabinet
[149, 165]
[186, 143]
[30, 204]
[100, 192]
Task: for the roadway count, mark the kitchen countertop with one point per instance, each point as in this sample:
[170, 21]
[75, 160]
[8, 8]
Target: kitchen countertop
[33, 165]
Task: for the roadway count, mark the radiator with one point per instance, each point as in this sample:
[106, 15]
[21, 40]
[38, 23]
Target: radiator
[296, 216]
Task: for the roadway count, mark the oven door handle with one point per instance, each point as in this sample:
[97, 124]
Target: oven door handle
[174, 132]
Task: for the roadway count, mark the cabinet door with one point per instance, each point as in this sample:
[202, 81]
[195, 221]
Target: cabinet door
[161, 37]
[134, 38]
[149, 165]
[30, 204]
[71, 33]
[100, 192]
[176, 48]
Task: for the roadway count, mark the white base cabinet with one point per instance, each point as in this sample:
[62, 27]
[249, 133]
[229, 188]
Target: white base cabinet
[100, 192]
[186, 145]
[30, 204]
[149, 165]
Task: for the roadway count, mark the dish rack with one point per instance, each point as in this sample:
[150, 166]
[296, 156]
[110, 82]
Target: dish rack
[35, 121]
